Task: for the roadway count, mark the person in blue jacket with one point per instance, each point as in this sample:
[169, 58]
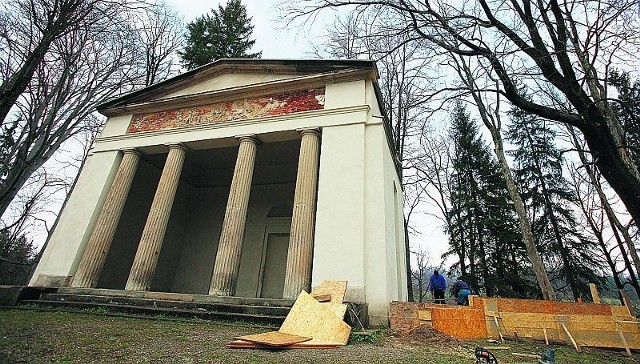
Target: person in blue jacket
[437, 286]
[461, 292]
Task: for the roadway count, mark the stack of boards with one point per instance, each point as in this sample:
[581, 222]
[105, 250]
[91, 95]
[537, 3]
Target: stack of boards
[316, 321]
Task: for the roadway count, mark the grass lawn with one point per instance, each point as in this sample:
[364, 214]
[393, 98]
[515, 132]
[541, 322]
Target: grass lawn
[32, 336]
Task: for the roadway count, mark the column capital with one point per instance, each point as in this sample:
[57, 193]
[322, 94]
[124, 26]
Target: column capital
[314, 131]
[131, 151]
[180, 146]
[248, 138]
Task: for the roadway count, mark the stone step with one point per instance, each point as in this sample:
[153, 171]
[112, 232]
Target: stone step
[170, 304]
[155, 310]
[201, 298]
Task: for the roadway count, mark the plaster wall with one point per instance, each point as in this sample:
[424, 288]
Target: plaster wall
[345, 94]
[65, 247]
[116, 125]
[339, 235]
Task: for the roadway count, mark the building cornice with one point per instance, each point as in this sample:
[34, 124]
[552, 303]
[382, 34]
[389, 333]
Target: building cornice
[234, 93]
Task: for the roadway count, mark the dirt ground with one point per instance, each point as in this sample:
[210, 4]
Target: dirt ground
[33, 336]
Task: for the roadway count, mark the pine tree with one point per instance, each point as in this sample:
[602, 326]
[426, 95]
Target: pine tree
[548, 200]
[483, 232]
[17, 255]
[225, 33]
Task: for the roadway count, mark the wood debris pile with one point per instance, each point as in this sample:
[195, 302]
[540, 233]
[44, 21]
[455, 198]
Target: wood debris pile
[316, 321]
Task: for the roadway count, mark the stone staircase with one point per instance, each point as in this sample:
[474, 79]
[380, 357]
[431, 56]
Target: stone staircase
[258, 310]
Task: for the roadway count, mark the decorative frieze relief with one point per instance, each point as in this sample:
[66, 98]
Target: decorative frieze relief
[285, 103]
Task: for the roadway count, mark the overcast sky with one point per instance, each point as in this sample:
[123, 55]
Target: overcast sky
[274, 43]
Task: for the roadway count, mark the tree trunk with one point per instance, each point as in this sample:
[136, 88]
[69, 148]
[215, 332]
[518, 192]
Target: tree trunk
[408, 261]
[611, 215]
[525, 227]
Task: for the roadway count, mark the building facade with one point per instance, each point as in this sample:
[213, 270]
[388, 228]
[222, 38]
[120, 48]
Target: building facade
[250, 178]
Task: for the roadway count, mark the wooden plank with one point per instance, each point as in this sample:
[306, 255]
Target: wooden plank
[522, 355]
[274, 338]
[240, 344]
[424, 315]
[594, 293]
[546, 337]
[624, 341]
[311, 318]
[322, 297]
[336, 289]
[626, 300]
[566, 331]
[495, 320]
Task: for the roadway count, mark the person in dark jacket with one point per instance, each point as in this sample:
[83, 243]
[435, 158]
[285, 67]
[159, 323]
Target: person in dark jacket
[461, 292]
[437, 286]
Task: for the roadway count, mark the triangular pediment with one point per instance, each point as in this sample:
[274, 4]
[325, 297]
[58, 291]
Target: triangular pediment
[227, 78]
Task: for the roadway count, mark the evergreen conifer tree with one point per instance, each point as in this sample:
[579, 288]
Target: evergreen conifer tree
[548, 200]
[483, 232]
[225, 33]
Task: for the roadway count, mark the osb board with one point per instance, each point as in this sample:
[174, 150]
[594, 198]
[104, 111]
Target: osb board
[621, 311]
[274, 338]
[552, 307]
[528, 325]
[336, 289]
[239, 344]
[309, 317]
[591, 323]
[424, 315]
[459, 322]
[338, 309]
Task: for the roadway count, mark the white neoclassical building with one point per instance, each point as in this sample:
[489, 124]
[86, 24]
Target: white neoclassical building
[249, 178]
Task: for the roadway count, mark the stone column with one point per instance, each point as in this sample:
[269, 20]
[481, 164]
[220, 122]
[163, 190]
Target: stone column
[227, 264]
[100, 240]
[298, 273]
[146, 259]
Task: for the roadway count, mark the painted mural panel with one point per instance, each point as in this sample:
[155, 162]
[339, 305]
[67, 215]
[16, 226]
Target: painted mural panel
[280, 104]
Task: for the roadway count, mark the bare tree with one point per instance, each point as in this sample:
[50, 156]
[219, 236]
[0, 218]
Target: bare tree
[620, 231]
[39, 24]
[535, 46]
[159, 37]
[419, 274]
[96, 57]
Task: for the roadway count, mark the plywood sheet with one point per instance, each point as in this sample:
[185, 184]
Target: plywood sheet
[336, 289]
[311, 318]
[552, 307]
[460, 322]
[274, 338]
[338, 309]
[240, 344]
[322, 297]
[424, 315]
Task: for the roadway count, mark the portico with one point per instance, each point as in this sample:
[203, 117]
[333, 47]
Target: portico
[249, 178]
